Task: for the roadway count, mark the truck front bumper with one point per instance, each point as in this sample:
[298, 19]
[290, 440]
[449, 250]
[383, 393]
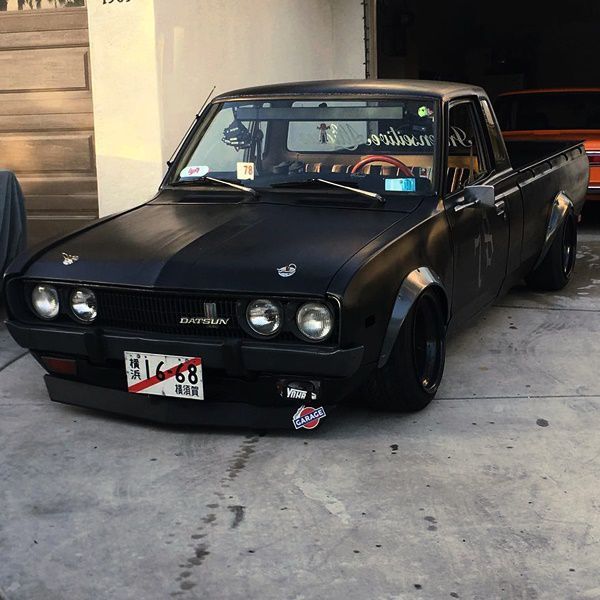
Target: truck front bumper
[170, 411]
[235, 356]
[242, 379]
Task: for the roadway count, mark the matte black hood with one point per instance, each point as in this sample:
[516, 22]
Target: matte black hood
[229, 247]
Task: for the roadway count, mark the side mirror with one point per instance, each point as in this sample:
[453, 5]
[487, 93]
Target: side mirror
[480, 194]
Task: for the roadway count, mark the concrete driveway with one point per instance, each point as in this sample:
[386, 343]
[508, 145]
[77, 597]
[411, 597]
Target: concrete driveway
[492, 492]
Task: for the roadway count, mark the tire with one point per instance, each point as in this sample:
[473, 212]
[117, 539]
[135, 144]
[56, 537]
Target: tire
[556, 270]
[411, 377]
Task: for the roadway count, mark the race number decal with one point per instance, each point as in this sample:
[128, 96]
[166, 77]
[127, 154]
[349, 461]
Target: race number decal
[245, 170]
[164, 375]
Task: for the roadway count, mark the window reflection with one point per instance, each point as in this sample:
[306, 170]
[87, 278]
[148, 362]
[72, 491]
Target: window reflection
[10, 5]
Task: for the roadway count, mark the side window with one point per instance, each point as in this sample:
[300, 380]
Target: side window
[496, 140]
[466, 157]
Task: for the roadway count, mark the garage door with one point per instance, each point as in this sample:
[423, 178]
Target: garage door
[46, 120]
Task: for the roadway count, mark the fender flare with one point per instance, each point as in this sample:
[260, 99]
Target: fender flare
[414, 284]
[562, 207]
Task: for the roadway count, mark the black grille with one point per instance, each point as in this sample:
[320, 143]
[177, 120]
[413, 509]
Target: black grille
[162, 312]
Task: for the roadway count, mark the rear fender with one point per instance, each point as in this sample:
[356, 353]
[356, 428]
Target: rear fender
[415, 283]
[562, 207]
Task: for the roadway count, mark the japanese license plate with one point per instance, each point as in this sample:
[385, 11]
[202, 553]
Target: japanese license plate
[164, 375]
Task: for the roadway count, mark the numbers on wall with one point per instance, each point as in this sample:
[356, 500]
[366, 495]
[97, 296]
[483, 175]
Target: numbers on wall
[111, 1]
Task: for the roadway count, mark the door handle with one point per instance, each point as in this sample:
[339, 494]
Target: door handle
[462, 206]
[500, 207]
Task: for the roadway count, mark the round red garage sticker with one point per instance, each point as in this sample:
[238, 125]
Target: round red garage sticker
[308, 417]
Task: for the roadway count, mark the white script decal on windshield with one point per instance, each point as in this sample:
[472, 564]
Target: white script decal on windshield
[392, 138]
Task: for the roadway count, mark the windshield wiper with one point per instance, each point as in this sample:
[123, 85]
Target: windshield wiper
[242, 188]
[373, 195]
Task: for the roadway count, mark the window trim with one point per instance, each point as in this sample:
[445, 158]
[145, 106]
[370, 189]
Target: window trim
[471, 101]
[505, 163]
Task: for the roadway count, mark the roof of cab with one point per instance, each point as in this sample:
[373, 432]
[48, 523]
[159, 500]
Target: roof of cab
[356, 87]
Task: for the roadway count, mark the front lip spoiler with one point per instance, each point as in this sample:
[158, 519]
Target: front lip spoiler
[235, 356]
[170, 411]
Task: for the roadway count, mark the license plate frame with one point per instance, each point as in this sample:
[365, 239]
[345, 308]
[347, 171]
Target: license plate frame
[164, 375]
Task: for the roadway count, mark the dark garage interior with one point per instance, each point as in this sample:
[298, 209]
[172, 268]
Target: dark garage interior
[502, 46]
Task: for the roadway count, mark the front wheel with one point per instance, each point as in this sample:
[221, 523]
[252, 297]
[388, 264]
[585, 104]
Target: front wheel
[411, 377]
[556, 269]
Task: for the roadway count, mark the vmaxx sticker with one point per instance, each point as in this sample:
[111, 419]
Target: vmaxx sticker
[294, 393]
[245, 170]
[307, 417]
[199, 171]
[306, 391]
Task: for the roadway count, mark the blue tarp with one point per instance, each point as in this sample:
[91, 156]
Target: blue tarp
[13, 226]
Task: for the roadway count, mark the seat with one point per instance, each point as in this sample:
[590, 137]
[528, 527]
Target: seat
[457, 178]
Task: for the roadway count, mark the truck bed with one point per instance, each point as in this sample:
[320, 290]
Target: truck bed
[524, 154]
[542, 169]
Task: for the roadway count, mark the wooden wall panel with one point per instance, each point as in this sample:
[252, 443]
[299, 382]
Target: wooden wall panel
[41, 122]
[84, 204]
[57, 185]
[46, 117]
[48, 69]
[44, 20]
[40, 39]
[38, 153]
[42, 103]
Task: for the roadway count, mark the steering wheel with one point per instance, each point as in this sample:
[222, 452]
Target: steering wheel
[367, 160]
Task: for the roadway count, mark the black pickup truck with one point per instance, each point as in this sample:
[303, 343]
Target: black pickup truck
[309, 241]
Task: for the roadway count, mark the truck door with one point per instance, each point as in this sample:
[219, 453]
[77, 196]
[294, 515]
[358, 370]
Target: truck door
[480, 233]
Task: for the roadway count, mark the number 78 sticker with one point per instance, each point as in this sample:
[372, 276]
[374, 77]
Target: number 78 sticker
[245, 170]
[164, 375]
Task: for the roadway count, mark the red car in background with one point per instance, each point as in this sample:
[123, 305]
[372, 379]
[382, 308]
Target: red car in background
[555, 114]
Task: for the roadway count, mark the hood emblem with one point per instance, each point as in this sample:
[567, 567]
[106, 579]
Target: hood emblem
[69, 259]
[287, 271]
[210, 317]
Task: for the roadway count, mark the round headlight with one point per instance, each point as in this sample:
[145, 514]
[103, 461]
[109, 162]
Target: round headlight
[44, 299]
[264, 317]
[314, 320]
[83, 305]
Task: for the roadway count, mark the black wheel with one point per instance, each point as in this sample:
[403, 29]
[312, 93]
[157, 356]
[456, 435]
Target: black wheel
[556, 269]
[411, 377]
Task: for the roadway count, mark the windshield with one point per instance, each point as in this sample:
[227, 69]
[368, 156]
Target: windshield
[549, 110]
[374, 145]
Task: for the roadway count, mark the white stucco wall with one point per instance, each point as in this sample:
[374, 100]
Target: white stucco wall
[126, 101]
[155, 61]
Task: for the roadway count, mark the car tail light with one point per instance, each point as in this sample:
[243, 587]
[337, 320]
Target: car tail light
[60, 366]
[594, 158]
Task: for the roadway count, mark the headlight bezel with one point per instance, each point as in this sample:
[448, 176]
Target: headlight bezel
[90, 292]
[289, 331]
[306, 306]
[65, 293]
[57, 295]
[281, 312]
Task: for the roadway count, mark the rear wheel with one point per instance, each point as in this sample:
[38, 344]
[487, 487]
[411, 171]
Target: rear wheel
[411, 377]
[556, 269]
